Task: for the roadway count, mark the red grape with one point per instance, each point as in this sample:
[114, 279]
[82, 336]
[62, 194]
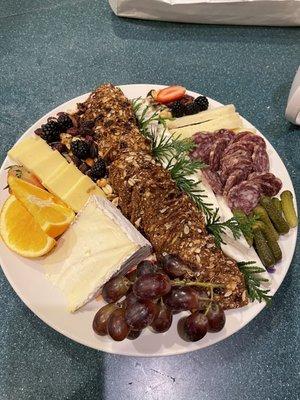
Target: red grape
[163, 320]
[182, 298]
[140, 314]
[151, 286]
[133, 334]
[115, 288]
[117, 327]
[146, 267]
[181, 329]
[216, 318]
[130, 299]
[132, 275]
[194, 327]
[101, 319]
[173, 266]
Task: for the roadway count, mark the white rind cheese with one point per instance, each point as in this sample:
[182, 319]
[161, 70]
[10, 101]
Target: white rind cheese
[230, 121]
[100, 243]
[202, 116]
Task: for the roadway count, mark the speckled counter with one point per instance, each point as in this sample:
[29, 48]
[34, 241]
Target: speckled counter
[54, 50]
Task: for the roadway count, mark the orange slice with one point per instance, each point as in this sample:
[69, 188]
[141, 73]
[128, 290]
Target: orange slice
[49, 211]
[21, 232]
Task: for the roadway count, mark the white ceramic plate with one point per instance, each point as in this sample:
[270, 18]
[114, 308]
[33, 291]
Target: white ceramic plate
[29, 282]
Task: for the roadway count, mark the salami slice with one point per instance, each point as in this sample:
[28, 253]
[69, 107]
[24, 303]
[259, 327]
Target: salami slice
[239, 155]
[269, 184]
[253, 138]
[224, 133]
[241, 135]
[244, 196]
[213, 180]
[233, 147]
[260, 159]
[254, 175]
[233, 164]
[234, 179]
[204, 142]
[216, 152]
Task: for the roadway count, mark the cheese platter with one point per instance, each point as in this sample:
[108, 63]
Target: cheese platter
[139, 168]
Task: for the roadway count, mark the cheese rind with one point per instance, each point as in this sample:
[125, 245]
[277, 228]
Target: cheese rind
[99, 244]
[202, 116]
[232, 121]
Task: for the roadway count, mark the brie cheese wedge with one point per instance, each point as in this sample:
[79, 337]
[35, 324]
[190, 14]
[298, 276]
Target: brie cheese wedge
[100, 243]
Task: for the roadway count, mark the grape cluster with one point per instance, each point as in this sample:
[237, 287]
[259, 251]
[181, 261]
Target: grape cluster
[150, 295]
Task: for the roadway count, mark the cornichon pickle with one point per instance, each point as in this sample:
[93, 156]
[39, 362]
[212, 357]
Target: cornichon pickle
[279, 222]
[263, 250]
[277, 204]
[272, 243]
[263, 216]
[244, 225]
[288, 208]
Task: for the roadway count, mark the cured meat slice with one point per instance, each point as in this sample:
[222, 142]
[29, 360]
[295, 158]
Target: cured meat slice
[204, 142]
[213, 180]
[244, 196]
[268, 183]
[239, 155]
[234, 147]
[224, 133]
[216, 152]
[234, 179]
[233, 164]
[252, 138]
[260, 159]
[241, 135]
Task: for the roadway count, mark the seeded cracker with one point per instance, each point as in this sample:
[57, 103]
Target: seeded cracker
[150, 199]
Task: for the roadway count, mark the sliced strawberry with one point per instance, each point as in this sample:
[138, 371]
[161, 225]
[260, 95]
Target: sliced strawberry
[170, 93]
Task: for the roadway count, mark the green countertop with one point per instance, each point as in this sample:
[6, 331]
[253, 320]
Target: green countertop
[52, 51]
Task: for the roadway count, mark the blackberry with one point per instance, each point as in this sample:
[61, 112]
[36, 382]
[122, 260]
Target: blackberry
[191, 109]
[80, 149]
[201, 103]
[98, 170]
[177, 109]
[50, 132]
[64, 122]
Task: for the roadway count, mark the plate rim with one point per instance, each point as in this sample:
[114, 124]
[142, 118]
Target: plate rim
[168, 352]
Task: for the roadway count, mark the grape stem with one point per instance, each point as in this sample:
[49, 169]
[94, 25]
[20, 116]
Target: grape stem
[193, 283]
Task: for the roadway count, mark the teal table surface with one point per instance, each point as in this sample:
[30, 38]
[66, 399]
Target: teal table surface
[54, 50]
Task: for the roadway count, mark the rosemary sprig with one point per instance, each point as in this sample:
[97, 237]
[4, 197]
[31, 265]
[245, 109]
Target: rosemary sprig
[217, 228]
[250, 270]
[167, 146]
[137, 103]
[181, 166]
[246, 223]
